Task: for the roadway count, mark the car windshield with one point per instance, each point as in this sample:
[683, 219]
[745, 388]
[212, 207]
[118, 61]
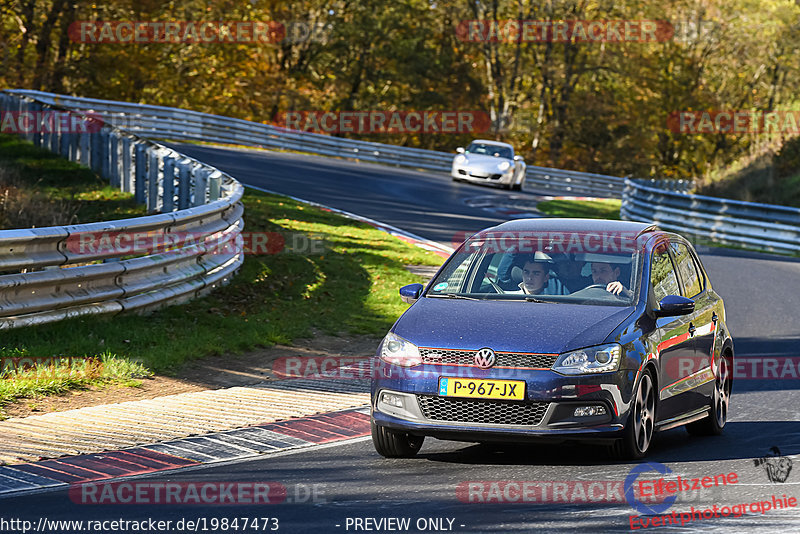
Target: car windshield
[512, 269]
[487, 149]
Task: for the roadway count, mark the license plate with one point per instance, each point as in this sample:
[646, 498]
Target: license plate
[481, 389]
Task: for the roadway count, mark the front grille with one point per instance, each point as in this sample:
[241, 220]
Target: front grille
[504, 359]
[495, 176]
[482, 411]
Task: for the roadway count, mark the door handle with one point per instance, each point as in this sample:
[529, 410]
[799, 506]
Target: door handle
[692, 329]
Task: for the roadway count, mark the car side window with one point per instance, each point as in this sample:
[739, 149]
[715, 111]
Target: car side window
[691, 278]
[492, 273]
[663, 280]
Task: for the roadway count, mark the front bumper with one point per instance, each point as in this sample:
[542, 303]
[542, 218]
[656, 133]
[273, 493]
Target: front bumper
[599, 433]
[472, 174]
[554, 396]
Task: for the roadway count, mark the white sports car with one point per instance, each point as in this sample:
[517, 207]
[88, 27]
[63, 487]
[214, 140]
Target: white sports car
[489, 162]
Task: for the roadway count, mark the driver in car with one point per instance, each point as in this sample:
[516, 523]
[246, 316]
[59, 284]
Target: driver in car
[568, 270]
[607, 274]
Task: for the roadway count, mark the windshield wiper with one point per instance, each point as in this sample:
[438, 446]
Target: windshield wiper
[534, 299]
[451, 296]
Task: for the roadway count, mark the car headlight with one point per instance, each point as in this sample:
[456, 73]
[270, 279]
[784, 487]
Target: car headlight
[598, 359]
[503, 166]
[461, 158]
[399, 351]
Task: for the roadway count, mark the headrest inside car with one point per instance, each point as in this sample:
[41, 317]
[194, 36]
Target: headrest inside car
[516, 274]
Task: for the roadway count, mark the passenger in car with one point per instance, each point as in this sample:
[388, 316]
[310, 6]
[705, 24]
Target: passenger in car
[536, 279]
[608, 274]
[535, 275]
[568, 270]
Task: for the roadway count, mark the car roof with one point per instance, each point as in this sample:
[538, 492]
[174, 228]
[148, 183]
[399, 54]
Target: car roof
[488, 142]
[558, 235]
[556, 224]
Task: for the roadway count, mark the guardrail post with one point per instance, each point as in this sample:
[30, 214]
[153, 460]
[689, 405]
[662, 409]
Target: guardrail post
[127, 171]
[84, 143]
[168, 202]
[140, 174]
[45, 136]
[73, 145]
[36, 134]
[55, 132]
[114, 161]
[184, 185]
[94, 148]
[214, 183]
[105, 153]
[66, 143]
[199, 187]
[152, 180]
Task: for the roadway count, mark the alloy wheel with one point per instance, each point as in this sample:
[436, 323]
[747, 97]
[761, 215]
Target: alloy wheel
[722, 392]
[644, 413]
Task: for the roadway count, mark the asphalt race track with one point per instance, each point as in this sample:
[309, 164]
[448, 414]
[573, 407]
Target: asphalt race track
[356, 486]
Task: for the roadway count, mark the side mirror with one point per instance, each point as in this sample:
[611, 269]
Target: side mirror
[411, 293]
[460, 150]
[673, 306]
[519, 158]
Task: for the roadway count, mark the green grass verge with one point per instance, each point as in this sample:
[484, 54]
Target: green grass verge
[350, 286]
[56, 188]
[584, 209]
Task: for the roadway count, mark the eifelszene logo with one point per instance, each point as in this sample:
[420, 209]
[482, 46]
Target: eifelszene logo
[630, 484]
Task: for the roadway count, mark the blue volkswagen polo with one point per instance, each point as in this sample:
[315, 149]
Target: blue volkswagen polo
[556, 330]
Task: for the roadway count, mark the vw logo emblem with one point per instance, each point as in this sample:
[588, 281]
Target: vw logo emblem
[485, 358]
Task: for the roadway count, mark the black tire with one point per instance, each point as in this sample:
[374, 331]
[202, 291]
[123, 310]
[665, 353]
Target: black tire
[393, 444]
[640, 428]
[720, 401]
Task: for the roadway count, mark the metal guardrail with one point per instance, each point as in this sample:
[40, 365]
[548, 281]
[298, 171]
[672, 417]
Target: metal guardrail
[667, 202]
[184, 125]
[748, 224]
[49, 274]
